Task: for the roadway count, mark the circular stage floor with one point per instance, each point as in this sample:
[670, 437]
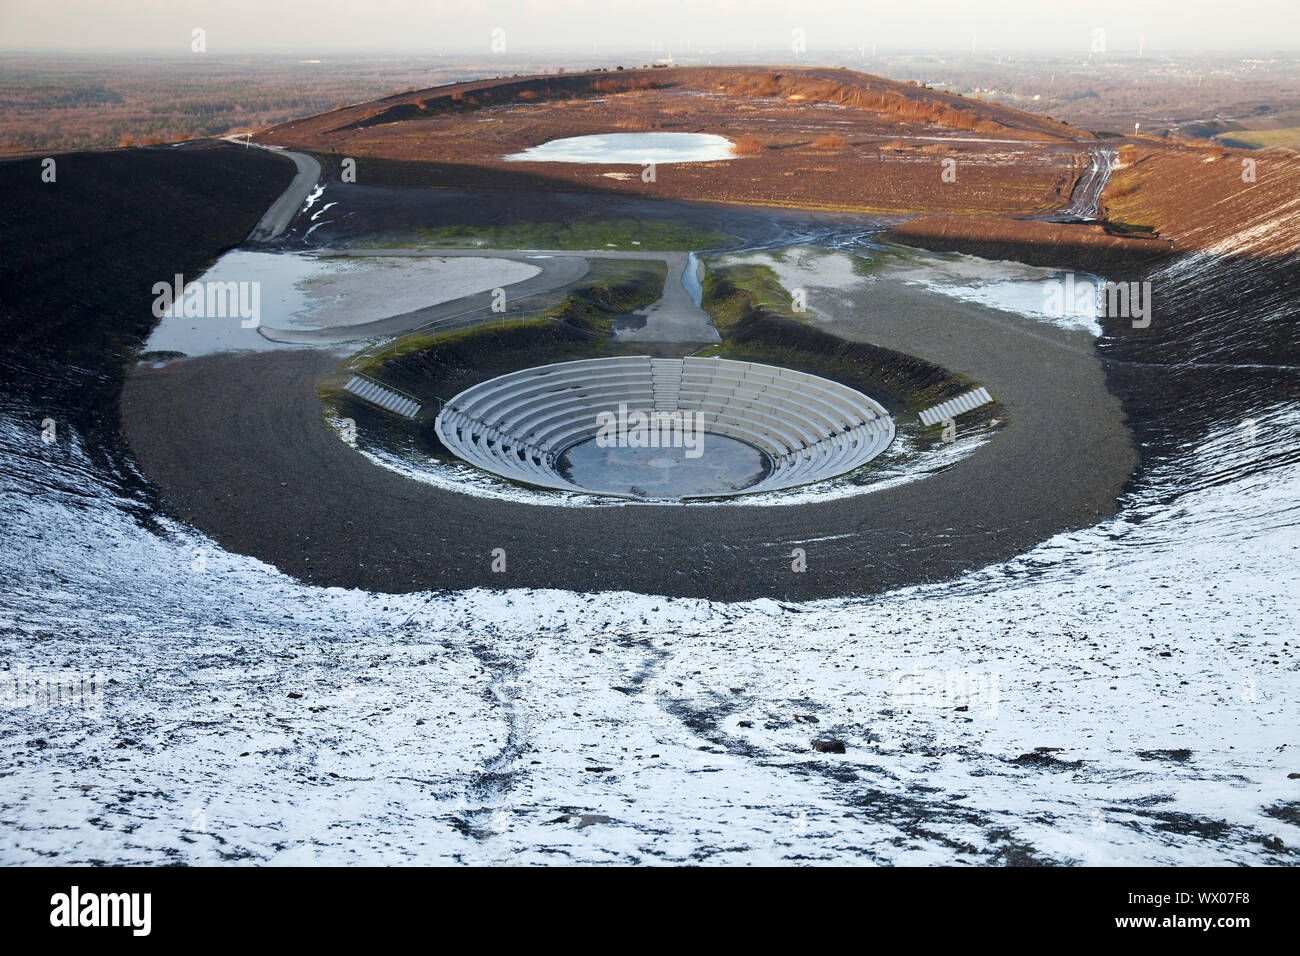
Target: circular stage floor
[723, 464]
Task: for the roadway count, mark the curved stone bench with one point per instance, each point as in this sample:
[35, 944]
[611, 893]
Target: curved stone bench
[519, 425]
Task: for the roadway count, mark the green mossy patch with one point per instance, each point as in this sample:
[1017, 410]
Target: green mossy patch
[627, 235]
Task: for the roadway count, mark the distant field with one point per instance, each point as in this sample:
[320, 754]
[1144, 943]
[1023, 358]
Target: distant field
[1261, 138]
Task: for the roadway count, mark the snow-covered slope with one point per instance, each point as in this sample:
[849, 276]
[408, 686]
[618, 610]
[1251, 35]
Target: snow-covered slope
[245, 717]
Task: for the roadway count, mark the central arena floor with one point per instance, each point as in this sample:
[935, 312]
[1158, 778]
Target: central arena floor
[723, 465]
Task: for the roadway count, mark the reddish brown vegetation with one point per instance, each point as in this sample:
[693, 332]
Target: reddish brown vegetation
[891, 101]
[1198, 198]
[830, 141]
[623, 84]
[771, 116]
[902, 102]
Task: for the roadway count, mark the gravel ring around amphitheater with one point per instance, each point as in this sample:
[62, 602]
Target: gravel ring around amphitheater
[238, 447]
[806, 429]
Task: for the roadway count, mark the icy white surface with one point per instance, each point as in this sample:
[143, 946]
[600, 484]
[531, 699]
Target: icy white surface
[1157, 651]
[1006, 286]
[311, 291]
[899, 465]
[635, 149]
[344, 294]
[805, 267]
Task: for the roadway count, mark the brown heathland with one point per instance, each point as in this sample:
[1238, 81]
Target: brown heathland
[1199, 197]
[809, 138]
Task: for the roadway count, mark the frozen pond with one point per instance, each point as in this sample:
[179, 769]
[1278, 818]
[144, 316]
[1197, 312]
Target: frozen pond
[636, 149]
[1006, 286]
[288, 290]
[1042, 294]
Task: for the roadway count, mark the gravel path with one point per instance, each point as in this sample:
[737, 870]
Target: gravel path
[277, 218]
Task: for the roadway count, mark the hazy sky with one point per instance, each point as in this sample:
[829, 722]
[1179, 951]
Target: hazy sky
[643, 26]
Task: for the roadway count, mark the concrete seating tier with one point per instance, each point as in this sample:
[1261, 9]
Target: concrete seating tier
[809, 428]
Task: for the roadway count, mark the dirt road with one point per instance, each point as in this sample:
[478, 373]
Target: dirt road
[277, 218]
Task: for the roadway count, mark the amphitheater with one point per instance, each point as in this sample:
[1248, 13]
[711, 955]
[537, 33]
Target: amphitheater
[802, 428]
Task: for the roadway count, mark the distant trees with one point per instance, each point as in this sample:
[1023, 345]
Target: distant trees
[114, 102]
